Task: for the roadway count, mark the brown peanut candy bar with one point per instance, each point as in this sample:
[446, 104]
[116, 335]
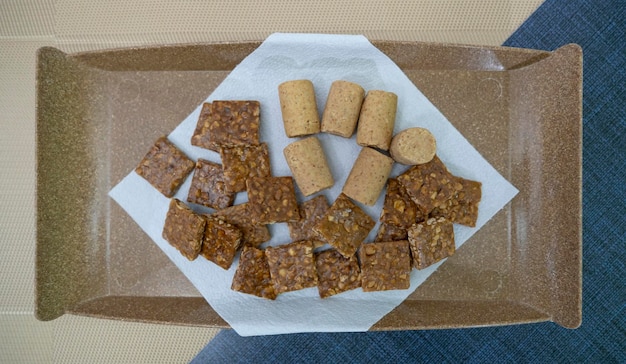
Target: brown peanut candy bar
[200, 137]
[238, 215]
[344, 226]
[233, 123]
[184, 229]
[385, 266]
[430, 185]
[431, 241]
[272, 199]
[208, 186]
[165, 167]
[292, 266]
[335, 273]
[462, 208]
[311, 212]
[399, 209]
[221, 241]
[390, 232]
[253, 274]
[243, 162]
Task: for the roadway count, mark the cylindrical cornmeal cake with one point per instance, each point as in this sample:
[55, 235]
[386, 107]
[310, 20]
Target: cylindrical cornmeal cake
[368, 176]
[342, 108]
[299, 108]
[308, 164]
[378, 116]
[413, 146]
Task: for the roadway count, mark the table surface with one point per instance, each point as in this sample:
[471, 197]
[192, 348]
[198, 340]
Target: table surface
[73, 26]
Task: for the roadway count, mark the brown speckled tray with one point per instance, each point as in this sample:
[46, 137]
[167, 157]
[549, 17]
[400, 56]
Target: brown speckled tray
[98, 112]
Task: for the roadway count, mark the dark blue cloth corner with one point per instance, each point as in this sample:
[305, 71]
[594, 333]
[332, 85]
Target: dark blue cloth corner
[599, 27]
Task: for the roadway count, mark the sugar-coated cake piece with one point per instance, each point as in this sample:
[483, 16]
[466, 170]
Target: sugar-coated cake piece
[208, 186]
[299, 108]
[272, 199]
[413, 146]
[431, 241]
[308, 165]
[368, 176]
[342, 109]
[311, 212]
[385, 266]
[184, 229]
[292, 266]
[253, 274]
[253, 234]
[336, 273]
[165, 167]
[377, 119]
[344, 226]
[221, 241]
[241, 162]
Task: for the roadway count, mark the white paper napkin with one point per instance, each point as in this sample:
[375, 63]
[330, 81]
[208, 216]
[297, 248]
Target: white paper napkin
[321, 59]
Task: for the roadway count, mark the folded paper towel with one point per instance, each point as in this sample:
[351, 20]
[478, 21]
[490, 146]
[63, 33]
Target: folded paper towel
[321, 59]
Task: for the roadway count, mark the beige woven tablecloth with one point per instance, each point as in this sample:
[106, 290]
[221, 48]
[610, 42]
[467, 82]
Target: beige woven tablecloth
[77, 25]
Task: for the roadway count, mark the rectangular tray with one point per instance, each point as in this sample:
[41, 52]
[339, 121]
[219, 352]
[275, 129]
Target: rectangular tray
[98, 113]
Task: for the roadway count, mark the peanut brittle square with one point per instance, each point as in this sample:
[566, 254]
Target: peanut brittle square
[184, 229]
[200, 137]
[272, 199]
[252, 234]
[462, 208]
[431, 241]
[243, 162]
[311, 212]
[208, 186]
[233, 122]
[389, 232]
[429, 185]
[253, 274]
[344, 226]
[221, 241]
[336, 273]
[399, 209]
[385, 266]
[165, 167]
[292, 266]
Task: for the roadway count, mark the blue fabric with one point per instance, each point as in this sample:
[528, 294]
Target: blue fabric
[599, 27]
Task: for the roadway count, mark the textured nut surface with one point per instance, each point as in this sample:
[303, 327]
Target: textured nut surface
[238, 215]
[385, 266]
[399, 209]
[221, 241]
[344, 226]
[342, 109]
[413, 146]
[377, 119]
[462, 208]
[243, 162]
[165, 167]
[308, 165]
[184, 229]
[431, 241]
[311, 212]
[208, 186]
[232, 122]
[292, 266]
[389, 232]
[336, 273]
[429, 185]
[253, 274]
[272, 199]
[368, 176]
[200, 137]
[299, 108]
